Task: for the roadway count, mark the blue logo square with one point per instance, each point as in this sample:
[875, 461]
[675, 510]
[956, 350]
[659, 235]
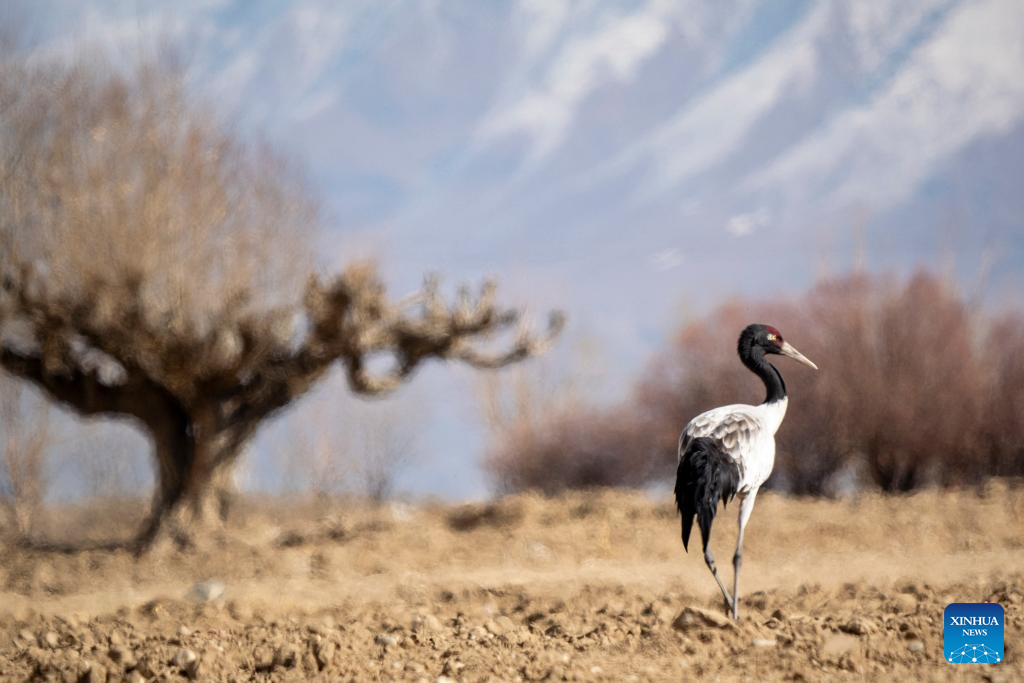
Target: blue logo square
[973, 632]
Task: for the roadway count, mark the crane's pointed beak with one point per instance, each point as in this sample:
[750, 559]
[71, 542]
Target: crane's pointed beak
[790, 351]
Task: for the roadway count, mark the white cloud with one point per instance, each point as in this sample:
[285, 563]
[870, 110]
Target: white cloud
[666, 259]
[122, 38]
[544, 21]
[744, 224]
[320, 32]
[231, 81]
[881, 26]
[314, 103]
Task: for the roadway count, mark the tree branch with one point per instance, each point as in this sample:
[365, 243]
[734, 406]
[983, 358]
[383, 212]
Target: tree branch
[82, 391]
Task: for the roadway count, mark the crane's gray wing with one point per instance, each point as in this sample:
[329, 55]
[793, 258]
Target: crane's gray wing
[735, 430]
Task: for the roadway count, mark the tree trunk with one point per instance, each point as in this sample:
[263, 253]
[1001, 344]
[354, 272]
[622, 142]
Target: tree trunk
[209, 496]
[195, 484]
[174, 449]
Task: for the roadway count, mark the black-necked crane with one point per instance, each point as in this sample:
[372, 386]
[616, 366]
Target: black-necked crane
[730, 451]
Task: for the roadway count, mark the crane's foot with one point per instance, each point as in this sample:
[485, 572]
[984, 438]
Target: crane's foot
[726, 601]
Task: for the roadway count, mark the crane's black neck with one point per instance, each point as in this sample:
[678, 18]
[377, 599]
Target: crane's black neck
[753, 356]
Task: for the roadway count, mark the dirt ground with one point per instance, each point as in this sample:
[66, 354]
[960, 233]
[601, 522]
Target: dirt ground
[590, 586]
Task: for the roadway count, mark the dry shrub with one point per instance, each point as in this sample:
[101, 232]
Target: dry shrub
[903, 389]
[920, 408]
[25, 436]
[914, 387]
[501, 514]
[1001, 444]
[340, 444]
[575, 449]
[545, 436]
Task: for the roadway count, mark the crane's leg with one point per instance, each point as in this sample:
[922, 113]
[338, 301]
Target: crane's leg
[709, 560]
[746, 507]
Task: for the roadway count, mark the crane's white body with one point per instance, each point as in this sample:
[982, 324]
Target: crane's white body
[747, 434]
[731, 450]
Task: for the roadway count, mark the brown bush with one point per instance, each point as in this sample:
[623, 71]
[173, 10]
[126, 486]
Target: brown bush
[1001, 443]
[581, 448]
[914, 387]
[544, 436]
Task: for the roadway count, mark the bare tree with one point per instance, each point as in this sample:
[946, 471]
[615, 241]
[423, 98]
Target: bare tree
[385, 445]
[137, 279]
[316, 455]
[24, 439]
[314, 447]
[1003, 415]
[544, 435]
[345, 443]
[523, 398]
[515, 402]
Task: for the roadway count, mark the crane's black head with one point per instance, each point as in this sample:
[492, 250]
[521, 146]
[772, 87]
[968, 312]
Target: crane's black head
[758, 339]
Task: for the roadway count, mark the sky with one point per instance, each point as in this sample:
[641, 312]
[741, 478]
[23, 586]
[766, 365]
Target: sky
[632, 163]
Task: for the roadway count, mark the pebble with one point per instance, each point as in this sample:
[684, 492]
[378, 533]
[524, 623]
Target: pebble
[146, 667]
[263, 658]
[207, 591]
[51, 639]
[857, 627]
[386, 640]
[401, 512]
[184, 658]
[426, 622]
[325, 653]
[240, 611]
[123, 655]
[765, 642]
[286, 656]
[916, 646]
[839, 644]
[500, 625]
[95, 674]
[905, 603]
[695, 617]
[540, 552]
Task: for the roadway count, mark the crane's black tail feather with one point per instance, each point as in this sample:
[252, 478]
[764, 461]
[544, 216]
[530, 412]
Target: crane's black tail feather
[706, 475]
